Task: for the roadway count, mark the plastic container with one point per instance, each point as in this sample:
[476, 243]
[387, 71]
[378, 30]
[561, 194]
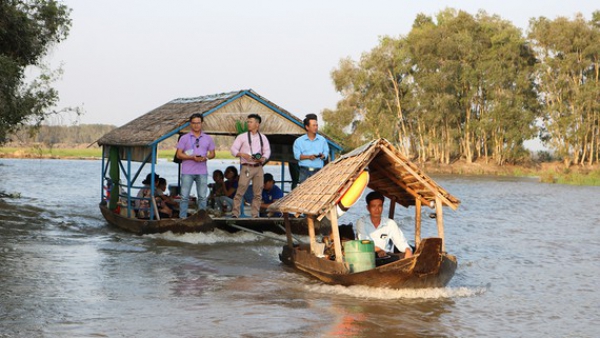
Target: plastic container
[360, 255]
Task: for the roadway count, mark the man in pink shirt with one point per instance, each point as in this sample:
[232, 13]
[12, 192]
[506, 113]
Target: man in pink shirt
[254, 150]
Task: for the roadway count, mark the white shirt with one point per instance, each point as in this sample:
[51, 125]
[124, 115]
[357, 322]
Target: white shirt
[385, 236]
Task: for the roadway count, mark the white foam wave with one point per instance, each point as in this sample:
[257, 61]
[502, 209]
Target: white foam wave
[217, 236]
[390, 294]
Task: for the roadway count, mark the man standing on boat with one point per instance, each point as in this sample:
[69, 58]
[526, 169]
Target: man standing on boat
[311, 150]
[384, 232]
[194, 149]
[253, 149]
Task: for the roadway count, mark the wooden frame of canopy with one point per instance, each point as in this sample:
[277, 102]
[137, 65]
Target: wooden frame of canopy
[391, 173]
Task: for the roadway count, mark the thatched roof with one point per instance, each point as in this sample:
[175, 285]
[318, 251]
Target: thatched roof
[220, 111]
[391, 173]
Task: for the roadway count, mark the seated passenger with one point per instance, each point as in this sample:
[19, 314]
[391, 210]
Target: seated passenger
[270, 194]
[384, 232]
[143, 203]
[217, 190]
[167, 206]
[231, 184]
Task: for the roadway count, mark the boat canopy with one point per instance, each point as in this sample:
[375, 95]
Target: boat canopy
[391, 173]
[221, 112]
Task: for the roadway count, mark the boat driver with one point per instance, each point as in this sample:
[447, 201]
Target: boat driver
[384, 232]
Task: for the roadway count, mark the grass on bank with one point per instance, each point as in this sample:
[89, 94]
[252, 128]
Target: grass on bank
[92, 152]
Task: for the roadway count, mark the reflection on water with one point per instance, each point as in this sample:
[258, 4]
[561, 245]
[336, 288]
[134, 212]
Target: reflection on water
[528, 255]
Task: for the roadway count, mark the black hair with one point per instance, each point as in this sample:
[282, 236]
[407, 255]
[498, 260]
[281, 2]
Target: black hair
[374, 195]
[268, 178]
[233, 169]
[162, 181]
[308, 118]
[218, 172]
[256, 117]
[197, 115]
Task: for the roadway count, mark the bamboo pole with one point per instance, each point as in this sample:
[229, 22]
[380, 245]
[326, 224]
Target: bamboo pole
[417, 223]
[439, 218]
[311, 233]
[335, 232]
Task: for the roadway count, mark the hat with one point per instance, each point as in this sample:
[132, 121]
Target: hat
[268, 178]
[149, 179]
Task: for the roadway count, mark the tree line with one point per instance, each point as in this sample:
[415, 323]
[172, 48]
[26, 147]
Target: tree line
[59, 136]
[462, 86]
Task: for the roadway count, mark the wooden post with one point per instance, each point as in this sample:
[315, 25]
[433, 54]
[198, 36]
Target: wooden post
[392, 208]
[288, 230]
[335, 232]
[311, 233]
[439, 218]
[417, 223]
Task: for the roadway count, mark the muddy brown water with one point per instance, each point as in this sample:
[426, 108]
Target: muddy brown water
[528, 254]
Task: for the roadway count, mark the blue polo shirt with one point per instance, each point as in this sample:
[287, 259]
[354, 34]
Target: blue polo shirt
[272, 195]
[305, 146]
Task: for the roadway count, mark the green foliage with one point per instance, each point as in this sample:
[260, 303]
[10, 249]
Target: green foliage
[241, 127]
[569, 53]
[464, 86]
[28, 28]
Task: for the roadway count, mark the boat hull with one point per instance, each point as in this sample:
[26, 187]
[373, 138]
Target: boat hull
[429, 267]
[200, 222]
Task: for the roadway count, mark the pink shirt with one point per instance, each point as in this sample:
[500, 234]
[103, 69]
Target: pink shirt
[241, 145]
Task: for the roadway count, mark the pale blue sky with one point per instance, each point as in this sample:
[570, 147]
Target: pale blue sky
[124, 58]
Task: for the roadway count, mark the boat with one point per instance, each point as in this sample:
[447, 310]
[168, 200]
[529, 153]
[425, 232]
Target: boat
[399, 180]
[130, 149]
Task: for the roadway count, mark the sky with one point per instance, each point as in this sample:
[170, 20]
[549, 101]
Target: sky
[123, 58]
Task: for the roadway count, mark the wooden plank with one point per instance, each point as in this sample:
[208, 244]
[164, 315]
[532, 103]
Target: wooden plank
[311, 233]
[439, 219]
[417, 223]
[335, 232]
[392, 208]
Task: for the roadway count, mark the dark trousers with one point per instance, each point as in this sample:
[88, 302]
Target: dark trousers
[306, 172]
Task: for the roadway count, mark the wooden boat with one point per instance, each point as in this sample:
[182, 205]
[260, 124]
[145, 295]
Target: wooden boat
[138, 140]
[200, 222]
[398, 179]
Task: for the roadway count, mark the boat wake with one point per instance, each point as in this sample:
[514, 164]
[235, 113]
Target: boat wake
[390, 294]
[217, 236]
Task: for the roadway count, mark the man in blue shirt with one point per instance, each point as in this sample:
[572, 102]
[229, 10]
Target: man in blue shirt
[311, 150]
[270, 194]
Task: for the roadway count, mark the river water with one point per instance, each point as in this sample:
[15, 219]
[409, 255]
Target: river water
[528, 256]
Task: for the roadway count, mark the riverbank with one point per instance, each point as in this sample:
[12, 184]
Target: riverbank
[547, 172]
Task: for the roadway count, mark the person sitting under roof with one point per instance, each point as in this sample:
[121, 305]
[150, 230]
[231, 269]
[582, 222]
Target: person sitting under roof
[384, 232]
[270, 194]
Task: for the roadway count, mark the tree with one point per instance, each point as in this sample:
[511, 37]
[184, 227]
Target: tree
[568, 75]
[458, 86]
[28, 28]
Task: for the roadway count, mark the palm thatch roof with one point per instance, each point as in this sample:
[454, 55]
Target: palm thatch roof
[391, 173]
[220, 112]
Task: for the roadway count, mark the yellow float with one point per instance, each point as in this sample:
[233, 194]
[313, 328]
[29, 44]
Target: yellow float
[353, 194]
